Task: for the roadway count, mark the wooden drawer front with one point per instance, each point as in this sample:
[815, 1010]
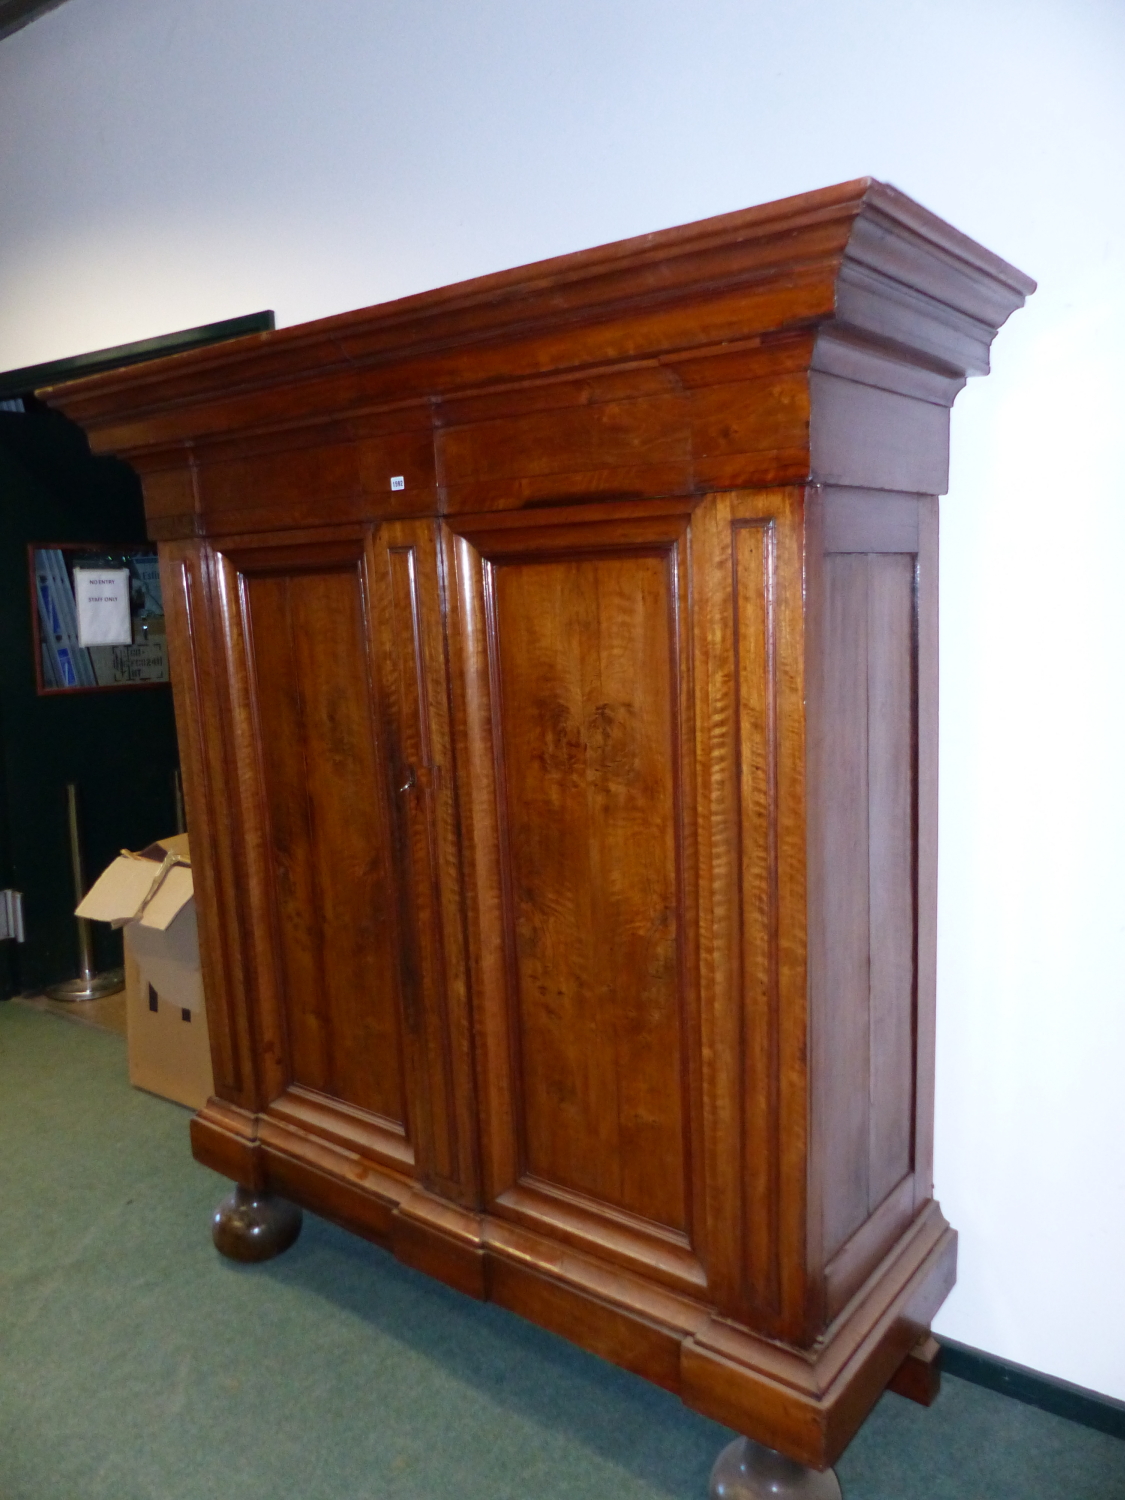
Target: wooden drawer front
[327, 868]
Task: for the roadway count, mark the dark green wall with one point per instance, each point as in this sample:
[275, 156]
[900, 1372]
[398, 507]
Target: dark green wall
[118, 746]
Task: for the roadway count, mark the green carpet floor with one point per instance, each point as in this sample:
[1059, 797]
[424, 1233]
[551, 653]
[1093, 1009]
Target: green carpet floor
[136, 1364]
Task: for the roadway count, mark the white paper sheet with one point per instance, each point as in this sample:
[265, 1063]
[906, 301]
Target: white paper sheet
[104, 616]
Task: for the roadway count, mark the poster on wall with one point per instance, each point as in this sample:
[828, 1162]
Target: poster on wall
[97, 617]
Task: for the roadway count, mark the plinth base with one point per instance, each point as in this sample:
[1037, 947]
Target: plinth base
[748, 1471]
[91, 987]
[251, 1226]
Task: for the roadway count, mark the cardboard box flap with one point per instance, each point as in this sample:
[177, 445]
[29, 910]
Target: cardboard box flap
[155, 885]
[172, 895]
[119, 891]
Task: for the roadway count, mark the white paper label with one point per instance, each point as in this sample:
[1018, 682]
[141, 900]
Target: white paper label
[102, 596]
[398, 482]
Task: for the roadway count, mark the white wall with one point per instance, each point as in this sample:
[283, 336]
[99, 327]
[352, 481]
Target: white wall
[172, 162]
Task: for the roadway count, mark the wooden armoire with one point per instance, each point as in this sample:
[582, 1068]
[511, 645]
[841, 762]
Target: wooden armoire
[555, 678]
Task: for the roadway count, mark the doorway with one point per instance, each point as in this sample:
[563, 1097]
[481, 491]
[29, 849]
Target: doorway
[116, 744]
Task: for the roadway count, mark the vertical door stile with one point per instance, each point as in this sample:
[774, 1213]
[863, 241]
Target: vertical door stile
[718, 1150]
[753, 570]
[202, 760]
[475, 754]
[748, 695]
[512, 1166]
[410, 651]
[257, 934]
[788, 883]
[687, 794]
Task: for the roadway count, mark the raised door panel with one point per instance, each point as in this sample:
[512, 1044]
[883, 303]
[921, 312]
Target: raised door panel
[574, 641]
[591, 819]
[334, 904]
[340, 743]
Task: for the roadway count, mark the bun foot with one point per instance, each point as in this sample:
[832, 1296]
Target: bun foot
[250, 1225]
[747, 1471]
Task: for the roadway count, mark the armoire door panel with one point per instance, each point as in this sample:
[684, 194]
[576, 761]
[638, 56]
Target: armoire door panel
[585, 632]
[329, 852]
[587, 734]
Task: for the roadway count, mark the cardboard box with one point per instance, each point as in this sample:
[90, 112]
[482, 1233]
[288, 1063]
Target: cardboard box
[152, 896]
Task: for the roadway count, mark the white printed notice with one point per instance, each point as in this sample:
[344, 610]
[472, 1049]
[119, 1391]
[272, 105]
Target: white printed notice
[104, 616]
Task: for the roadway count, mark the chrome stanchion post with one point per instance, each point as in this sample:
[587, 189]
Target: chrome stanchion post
[89, 985]
[178, 800]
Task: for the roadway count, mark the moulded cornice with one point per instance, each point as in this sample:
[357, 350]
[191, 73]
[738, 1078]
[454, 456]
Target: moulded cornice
[860, 261]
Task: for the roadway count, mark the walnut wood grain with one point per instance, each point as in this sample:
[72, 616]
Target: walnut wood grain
[564, 817]
[407, 639]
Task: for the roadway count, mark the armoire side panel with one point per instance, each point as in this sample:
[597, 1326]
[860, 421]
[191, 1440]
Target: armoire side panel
[891, 738]
[869, 758]
[588, 708]
[847, 1019]
[328, 842]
